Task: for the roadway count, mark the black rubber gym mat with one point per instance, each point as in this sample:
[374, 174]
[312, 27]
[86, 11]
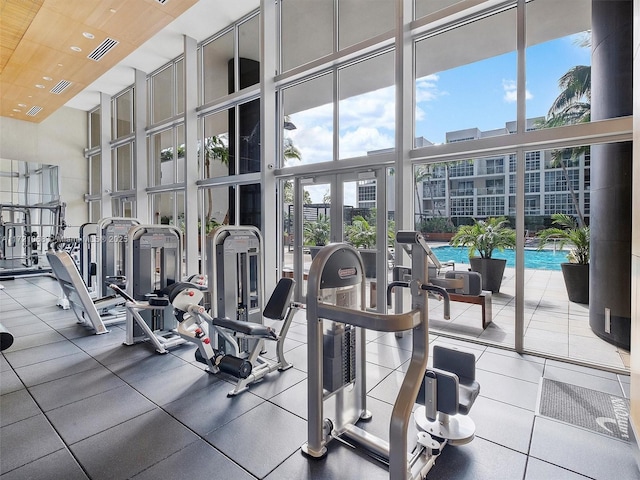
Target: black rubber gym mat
[598, 411]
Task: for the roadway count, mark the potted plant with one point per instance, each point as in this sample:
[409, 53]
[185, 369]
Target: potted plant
[316, 233]
[362, 235]
[576, 271]
[484, 237]
[437, 229]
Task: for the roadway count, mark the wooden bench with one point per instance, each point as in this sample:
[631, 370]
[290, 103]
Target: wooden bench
[288, 273]
[484, 300]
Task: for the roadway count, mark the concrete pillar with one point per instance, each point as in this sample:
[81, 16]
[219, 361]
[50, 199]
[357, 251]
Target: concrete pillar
[611, 96]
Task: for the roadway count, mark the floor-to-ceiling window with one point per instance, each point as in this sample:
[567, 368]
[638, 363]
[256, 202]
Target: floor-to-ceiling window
[478, 107]
[340, 111]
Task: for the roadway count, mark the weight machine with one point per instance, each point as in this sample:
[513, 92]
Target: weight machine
[25, 231]
[236, 324]
[88, 255]
[96, 314]
[111, 243]
[153, 262]
[337, 365]
[197, 326]
[236, 285]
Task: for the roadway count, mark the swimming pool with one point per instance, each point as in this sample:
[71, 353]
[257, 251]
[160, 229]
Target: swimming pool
[538, 259]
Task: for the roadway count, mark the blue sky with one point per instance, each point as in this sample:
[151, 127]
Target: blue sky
[480, 94]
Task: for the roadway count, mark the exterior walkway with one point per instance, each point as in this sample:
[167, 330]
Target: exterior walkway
[553, 325]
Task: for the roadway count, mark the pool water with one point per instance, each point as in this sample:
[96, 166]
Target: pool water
[537, 259]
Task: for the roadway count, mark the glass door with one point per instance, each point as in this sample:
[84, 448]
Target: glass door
[352, 208]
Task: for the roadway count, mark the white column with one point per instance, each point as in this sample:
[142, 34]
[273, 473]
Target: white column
[404, 217]
[520, 167]
[269, 125]
[191, 173]
[140, 147]
[105, 155]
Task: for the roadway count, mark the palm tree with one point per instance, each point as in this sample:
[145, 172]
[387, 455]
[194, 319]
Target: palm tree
[215, 148]
[290, 150]
[568, 232]
[572, 106]
[420, 173]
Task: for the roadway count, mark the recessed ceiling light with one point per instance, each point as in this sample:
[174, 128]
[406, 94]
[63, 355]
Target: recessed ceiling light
[76, 49]
[48, 79]
[59, 64]
[112, 10]
[22, 105]
[88, 35]
[39, 86]
[16, 110]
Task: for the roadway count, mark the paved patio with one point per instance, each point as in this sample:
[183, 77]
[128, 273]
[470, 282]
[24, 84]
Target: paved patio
[553, 325]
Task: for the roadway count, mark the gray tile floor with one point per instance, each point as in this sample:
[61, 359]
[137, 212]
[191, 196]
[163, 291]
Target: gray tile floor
[75, 405]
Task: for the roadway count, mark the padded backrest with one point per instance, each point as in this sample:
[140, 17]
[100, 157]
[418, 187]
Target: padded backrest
[463, 364]
[279, 301]
[66, 272]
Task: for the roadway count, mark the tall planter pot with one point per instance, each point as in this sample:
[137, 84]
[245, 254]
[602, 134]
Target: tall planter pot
[576, 279]
[491, 270]
[369, 262]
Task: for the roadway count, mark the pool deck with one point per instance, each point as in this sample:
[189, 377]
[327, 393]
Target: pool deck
[553, 325]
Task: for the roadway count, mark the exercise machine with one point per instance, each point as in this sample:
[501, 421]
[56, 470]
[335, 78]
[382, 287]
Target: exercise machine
[337, 361]
[6, 338]
[236, 288]
[111, 242]
[197, 326]
[98, 314]
[72, 247]
[153, 262]
[25, 231]
[88, 255]
[236, 285]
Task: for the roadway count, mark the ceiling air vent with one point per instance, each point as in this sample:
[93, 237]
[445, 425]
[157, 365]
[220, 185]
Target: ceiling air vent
[60, 87]
[162, 2]
[33, 111]
[102, 49]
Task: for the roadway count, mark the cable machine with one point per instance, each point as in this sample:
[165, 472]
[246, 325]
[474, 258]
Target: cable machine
[25, 232]
[236, 285]
[153, 262]
[111, 242]
[337, 320]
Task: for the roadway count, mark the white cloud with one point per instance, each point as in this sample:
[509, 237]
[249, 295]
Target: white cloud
[427, 88]
[510, 88]
[367, 123]
[374, 109]
[364, 139]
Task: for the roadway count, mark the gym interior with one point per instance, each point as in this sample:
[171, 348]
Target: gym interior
[190, 281]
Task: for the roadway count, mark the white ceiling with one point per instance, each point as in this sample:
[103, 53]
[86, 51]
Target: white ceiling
[199, 22]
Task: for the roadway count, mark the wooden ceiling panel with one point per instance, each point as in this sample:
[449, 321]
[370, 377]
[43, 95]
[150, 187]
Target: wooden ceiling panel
[15, 18]
[132, 29]
[51, 28]
[43, 32]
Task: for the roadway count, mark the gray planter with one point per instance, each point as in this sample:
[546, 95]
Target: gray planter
[491, 270]
[576, 279]
[369, 261]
